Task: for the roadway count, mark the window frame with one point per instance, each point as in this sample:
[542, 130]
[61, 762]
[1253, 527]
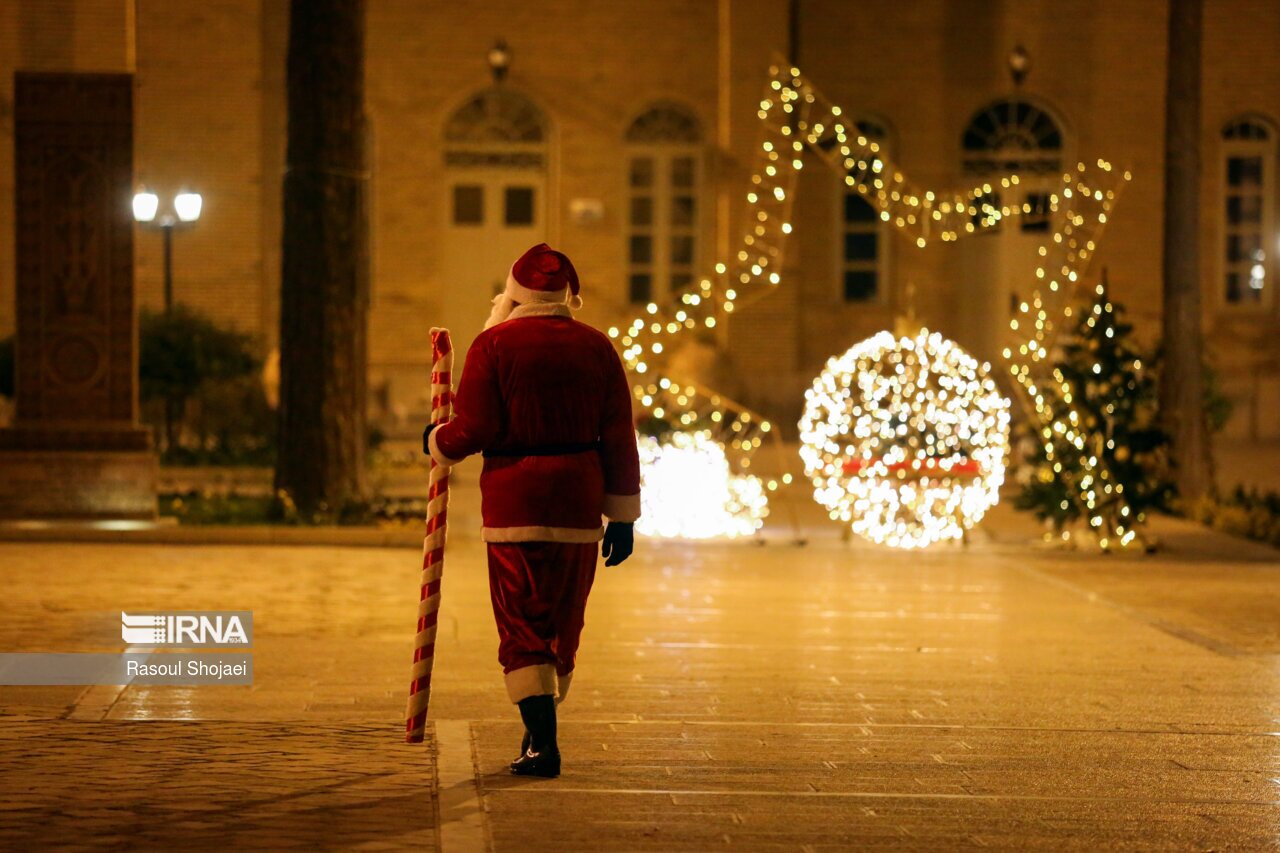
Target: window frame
[1039, 167]
[1267, 150]
[881, 228]
[663, 192]
[880, 266]
[1046, 157]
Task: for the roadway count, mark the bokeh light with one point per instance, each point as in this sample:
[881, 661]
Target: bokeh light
[905, 439]
[688, 492]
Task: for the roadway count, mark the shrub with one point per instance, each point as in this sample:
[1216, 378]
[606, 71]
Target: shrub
[200, 386]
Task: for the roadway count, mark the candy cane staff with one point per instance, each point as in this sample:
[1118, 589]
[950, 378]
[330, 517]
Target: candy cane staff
[424, 645]
[546, 401]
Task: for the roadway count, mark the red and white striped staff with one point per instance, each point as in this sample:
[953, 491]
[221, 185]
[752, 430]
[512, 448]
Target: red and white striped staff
[424, 644]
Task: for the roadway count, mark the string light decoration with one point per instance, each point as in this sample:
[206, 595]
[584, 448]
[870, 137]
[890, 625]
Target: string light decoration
[1082, 209]
[796, 118]
[1114, 396]
[905, 439]
[688, 492]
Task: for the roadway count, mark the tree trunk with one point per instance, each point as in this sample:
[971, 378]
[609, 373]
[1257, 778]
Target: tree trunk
[1182, 375]
[324, 284]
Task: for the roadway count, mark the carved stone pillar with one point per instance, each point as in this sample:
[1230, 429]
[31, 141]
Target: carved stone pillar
[76, 448]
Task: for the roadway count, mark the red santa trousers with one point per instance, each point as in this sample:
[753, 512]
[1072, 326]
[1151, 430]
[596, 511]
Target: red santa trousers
[539, 593]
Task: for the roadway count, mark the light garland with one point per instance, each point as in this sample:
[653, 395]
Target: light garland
[1083, 210]
[905, 439]
[688, 492]
[795, 117]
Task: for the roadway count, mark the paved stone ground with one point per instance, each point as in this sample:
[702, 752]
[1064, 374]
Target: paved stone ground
[802, 698]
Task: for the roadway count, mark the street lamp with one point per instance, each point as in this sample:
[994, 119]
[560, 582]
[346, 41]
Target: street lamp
[145, 205]
[186, 210]
[187, 205]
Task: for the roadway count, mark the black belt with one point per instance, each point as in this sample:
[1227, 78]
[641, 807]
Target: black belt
[546, 450]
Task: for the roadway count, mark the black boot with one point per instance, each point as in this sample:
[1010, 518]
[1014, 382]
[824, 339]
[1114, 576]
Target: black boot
[524, 743]
[542, 756]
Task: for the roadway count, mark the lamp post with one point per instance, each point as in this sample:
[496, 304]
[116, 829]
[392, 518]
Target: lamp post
[185, 211]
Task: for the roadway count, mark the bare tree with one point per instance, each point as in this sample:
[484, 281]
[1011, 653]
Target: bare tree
[1182, 377]
[324, 286]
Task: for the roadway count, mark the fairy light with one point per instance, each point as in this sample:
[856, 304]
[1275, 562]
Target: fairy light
[1088, 196]
[688, 492]
[905, 439]
[795, 118]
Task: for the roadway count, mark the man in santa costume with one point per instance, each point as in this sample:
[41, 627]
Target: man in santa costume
[545, 399]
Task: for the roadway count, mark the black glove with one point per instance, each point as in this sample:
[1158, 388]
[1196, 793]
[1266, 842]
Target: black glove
[619, 540]
[426, 434]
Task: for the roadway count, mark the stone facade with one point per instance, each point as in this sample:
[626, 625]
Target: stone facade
[210, 102]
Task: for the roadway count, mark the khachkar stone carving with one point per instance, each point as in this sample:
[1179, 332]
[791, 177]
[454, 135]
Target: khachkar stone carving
[76, 448]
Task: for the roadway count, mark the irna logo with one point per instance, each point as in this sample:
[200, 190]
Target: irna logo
[187, 628]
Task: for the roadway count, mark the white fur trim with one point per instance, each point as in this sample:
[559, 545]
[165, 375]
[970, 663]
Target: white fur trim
[562, 685]
[536, 680]
[622, 507]
[540, 309]
[520, 293]
[435, 451]
[537, 533]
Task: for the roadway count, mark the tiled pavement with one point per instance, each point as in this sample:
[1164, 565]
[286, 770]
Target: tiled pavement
[167, 785]
[814, 698]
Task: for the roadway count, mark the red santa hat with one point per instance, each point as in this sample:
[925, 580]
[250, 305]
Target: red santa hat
[544, 275]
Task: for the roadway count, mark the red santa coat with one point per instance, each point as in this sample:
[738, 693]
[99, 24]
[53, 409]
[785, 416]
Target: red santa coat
[546, 399]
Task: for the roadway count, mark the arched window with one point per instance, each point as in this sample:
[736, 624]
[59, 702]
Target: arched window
[664, 177]
[1015, 136]
[495, 148]
[497, 127]
[1012, 135]
[862, 250]
[1248, 154]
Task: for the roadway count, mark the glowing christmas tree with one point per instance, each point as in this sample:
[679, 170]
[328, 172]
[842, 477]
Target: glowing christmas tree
[1104, 407]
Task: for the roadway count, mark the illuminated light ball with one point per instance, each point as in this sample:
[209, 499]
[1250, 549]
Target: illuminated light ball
[688, 492]
[905, 439]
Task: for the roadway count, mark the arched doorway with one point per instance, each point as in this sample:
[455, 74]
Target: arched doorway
[1012, 136]
[495, 147]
